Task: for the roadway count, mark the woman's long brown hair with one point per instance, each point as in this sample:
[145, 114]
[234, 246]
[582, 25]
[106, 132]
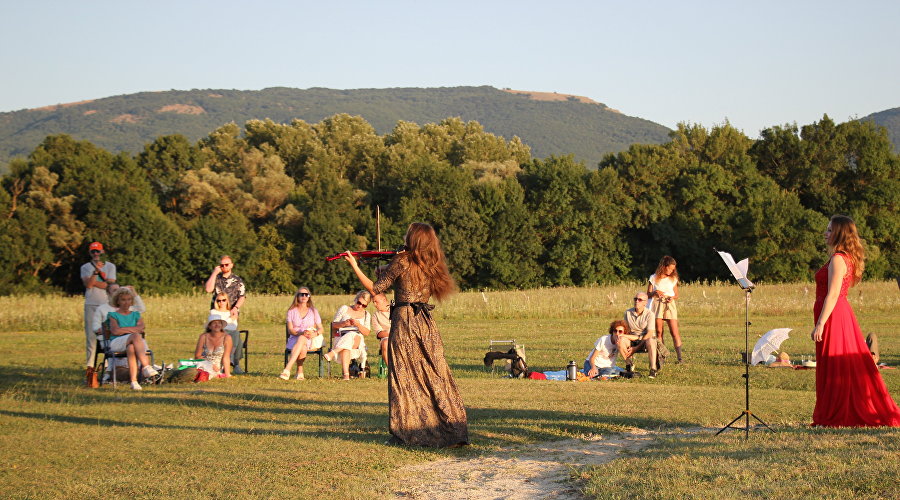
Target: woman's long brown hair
[427, 258]
[665, 262]
[845, 239]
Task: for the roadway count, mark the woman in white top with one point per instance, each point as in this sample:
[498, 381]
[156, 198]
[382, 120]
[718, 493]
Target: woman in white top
[351, 324]
[223, 311]
[663, 289]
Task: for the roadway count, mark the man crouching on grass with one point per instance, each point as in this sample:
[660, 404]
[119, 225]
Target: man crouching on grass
[601, 362]
[641, 337]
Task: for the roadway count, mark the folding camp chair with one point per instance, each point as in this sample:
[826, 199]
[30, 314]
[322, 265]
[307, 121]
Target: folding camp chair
[109, 356]
[320, 351]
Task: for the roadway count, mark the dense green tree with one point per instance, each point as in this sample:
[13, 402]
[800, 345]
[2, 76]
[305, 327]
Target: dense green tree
[221, 231]
[576, 221]
[295, 144]
[334, 219]
[164, 162]
[510, 252]
[351, 148]
[113, 199]
[279, 198]
[25, 252]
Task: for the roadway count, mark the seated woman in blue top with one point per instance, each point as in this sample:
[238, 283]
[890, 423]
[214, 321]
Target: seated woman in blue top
[125, 328]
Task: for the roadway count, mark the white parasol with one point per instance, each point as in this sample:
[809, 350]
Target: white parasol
[768, 343]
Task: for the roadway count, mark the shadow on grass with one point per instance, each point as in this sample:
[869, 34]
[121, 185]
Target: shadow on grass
[110, 423]
[274, 411]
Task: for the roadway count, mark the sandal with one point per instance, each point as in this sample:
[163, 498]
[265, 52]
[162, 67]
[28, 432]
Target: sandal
[327, 358]
[300, 376]
[285, 375]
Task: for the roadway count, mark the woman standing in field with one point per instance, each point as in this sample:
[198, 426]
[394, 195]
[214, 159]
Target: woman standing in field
[663, 289]
[849, 389]
[424, 403]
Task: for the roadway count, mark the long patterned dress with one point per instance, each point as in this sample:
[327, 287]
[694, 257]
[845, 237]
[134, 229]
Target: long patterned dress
[849, 389]
[424, 403]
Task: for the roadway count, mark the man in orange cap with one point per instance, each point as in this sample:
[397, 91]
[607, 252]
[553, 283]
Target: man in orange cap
[97, 277]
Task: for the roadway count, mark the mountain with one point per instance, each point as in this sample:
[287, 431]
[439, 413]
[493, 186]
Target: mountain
[889, 119]
[551, 123]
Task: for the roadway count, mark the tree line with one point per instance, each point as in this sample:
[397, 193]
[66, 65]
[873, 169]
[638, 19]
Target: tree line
[279, 198]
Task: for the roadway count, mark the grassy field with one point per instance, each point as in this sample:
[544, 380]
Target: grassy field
[257, 436]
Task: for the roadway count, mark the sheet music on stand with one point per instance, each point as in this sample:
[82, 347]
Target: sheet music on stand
[738, 270]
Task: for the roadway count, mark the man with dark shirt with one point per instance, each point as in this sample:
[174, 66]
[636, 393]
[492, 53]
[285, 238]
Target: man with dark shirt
[223, 280]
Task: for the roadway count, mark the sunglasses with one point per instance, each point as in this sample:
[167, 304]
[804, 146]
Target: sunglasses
[302, 294]
[619, 330]
[96, 251]
[222, 300]
[638, 299]
[226, 265]
[362, 304]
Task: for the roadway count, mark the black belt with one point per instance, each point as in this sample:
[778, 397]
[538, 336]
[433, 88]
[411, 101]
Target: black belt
[418, 307]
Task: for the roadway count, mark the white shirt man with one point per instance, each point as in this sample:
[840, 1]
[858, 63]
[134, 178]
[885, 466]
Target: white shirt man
[96, 276]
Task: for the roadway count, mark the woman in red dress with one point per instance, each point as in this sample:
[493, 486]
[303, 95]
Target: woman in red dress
[849, 389]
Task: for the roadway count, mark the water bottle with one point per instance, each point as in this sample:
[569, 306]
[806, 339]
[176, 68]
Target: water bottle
[571, 370]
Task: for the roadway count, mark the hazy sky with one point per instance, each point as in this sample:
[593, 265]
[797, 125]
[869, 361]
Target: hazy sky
[756, 64]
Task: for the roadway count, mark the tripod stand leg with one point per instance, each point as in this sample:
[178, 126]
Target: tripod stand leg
[761, 421]
[730, 423]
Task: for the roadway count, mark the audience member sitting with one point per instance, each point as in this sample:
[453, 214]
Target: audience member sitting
[211, 348]
[103, 310]
[126, 328]
[641, 337]
[381, 323]
[306, 333]
[381, 320]
[601, 362]
[351, 324]
[223, 310]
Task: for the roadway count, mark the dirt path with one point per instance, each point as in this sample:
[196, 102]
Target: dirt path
[536, 471]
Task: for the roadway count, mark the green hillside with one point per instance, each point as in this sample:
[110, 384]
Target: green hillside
[572, 125]
[889, 119]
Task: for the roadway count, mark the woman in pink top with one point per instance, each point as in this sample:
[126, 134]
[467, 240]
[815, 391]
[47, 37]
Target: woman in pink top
[305, 327]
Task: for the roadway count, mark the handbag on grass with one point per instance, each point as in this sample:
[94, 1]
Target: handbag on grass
[91, 378]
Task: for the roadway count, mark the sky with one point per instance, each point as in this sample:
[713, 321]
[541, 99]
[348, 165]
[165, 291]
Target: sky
[755, 64]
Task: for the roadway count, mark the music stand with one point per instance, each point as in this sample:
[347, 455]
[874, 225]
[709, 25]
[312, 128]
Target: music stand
[739, 271]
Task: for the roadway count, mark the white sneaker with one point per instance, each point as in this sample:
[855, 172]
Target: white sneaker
[149, 371]
[136, 386]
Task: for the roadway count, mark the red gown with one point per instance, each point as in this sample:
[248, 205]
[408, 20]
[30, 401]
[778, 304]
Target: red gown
[849, 389]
